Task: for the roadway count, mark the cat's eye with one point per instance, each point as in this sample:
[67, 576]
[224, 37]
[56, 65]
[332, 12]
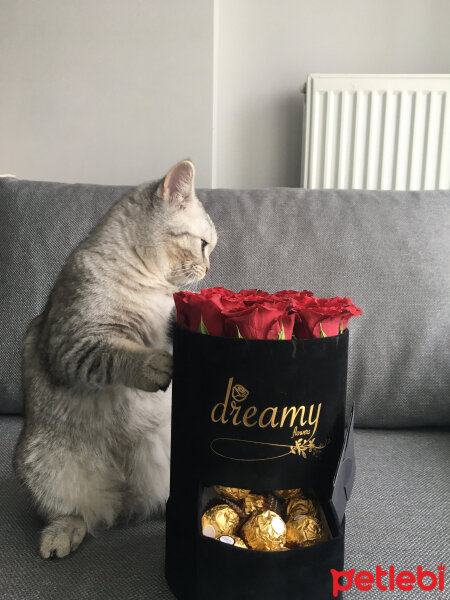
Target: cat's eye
[204, 244]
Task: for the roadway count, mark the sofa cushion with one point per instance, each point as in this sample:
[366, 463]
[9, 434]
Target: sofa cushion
[398, 515]
[386, 250]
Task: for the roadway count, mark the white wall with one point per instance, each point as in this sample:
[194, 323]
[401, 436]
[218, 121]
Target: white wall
[266, 50]
[105, 91]
[115, 91]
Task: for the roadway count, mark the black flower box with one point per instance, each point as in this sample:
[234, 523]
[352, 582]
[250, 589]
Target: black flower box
[260, 415]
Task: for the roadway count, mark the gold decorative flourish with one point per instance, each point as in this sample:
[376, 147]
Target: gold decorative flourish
[301, 447]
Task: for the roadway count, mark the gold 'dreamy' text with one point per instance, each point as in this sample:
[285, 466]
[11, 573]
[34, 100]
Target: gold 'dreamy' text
[232, 410]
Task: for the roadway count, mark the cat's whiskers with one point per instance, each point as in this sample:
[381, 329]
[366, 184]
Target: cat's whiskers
[194, 272]
[178, 270]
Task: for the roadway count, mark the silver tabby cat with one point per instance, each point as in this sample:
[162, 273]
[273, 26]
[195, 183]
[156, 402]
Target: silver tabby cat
[97, 364]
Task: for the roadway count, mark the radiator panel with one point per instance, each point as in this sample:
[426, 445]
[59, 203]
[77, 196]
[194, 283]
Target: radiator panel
[377, 132]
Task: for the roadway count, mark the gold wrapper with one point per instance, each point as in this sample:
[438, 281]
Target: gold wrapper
[231, 493]
[264, 531]
[301, 506]
[254, 502]
[233, 540]
[288, 494]
[219, 520]
[304, 531]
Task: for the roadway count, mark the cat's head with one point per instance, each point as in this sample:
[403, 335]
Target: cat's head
[183, 235]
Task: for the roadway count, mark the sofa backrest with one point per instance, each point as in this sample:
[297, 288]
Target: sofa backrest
[386, 250]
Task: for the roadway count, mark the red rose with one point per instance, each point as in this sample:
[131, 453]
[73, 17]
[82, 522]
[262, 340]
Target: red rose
[259, 321]
[223, 298]
[255, 294]
[292, 295]
[323, 317]
[217, 292]
[197, 312]
[255, 314]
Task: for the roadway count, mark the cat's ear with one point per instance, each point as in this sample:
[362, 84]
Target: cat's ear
[178, 185]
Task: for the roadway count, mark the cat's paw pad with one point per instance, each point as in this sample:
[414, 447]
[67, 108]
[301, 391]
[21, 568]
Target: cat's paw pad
[61, 538]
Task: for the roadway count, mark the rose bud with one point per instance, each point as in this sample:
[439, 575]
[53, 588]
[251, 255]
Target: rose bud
[324, 317]
[198, 313]
[263, 321]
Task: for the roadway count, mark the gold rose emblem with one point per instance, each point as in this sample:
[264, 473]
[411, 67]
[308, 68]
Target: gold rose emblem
[239, 392]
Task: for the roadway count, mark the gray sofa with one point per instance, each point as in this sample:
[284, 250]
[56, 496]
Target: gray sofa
[387, 251]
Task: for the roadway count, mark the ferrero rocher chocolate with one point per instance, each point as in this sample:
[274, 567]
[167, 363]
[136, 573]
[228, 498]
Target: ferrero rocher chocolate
[231, 493]
[304, 531]
[233, 540]
[288, 494]
[301, 506]
[219, 520]
[254, 502]
[264, 531]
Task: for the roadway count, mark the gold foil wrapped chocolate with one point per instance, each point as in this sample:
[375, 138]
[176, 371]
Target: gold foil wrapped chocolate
[304, 531]
[288, 494]
[231, 492]
[264, 531]
[254, 502]
[301, 506]
[220, 520]
[232, 540]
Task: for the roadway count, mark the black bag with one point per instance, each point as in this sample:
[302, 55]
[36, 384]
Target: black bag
[260, 415]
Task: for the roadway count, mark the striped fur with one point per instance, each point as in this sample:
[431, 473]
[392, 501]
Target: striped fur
[97, 364]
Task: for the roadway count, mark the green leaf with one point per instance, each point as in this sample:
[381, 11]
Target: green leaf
[202, 326]
[293, 337]
[282, 335]
[322, 332]
[239, 333]
[341, 327]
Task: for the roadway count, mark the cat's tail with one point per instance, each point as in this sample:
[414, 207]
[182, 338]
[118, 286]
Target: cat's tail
[62, 536]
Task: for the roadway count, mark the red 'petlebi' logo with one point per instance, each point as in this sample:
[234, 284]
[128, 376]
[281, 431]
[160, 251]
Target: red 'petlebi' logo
[388, 580]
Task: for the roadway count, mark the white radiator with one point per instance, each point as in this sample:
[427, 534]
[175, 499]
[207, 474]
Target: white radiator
[376, 132]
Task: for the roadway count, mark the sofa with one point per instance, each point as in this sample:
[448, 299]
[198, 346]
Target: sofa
[387, 250]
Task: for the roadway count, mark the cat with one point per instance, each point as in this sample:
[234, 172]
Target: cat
[97, 364]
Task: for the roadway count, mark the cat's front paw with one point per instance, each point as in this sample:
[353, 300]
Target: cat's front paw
[158, 369]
